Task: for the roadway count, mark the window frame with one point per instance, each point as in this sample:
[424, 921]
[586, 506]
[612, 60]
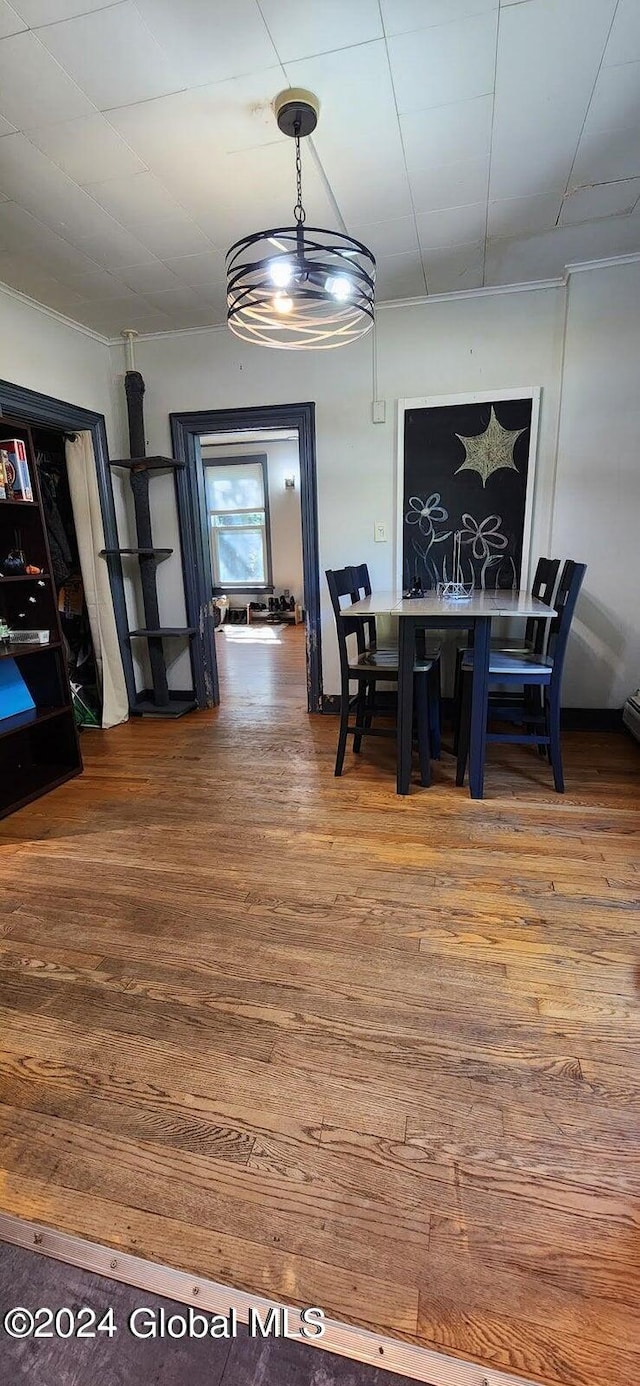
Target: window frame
[248, 459]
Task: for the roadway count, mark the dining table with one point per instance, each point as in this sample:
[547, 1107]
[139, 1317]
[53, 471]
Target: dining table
[434, 612]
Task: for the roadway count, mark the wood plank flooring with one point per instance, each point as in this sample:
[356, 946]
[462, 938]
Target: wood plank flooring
[332, 1046]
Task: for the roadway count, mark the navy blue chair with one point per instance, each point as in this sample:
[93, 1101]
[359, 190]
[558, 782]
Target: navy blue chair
[528, 670]
[533, 638]
[428, 649]
[367, 666]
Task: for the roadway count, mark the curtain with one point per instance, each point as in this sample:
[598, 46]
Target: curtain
[85, 499]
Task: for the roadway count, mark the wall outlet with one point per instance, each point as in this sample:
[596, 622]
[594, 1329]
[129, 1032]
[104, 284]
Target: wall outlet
[380, 532]
[378, 410]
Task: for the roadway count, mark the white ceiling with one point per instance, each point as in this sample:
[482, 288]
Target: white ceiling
[468, 142]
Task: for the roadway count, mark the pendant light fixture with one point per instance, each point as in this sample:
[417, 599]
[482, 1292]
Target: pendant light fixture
[299, 287]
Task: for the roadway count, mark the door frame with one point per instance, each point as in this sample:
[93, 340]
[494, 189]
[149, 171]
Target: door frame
[186, 429]
[44, 411]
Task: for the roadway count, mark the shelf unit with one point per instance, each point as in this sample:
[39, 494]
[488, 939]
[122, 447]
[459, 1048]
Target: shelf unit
[39, 748]
[158, 701]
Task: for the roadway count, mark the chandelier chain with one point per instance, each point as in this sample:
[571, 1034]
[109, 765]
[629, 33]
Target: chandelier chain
[298, 211]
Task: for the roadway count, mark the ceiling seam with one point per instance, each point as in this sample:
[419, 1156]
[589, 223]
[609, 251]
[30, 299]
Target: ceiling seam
[320, 169]
[493, 117]
[589, 103]
[402, 145]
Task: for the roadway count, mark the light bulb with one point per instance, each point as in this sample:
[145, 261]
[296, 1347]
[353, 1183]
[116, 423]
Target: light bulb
[339, 287]
[282, 303]
[281, 273]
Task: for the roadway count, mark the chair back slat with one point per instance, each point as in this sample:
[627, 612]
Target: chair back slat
[571, 579]
[362, 588]
[543, 588]
[340, 582]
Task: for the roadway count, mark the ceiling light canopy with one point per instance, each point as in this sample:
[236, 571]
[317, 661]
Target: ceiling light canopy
[299, 287]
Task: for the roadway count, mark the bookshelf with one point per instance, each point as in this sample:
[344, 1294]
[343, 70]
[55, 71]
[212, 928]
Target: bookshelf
[39, 746]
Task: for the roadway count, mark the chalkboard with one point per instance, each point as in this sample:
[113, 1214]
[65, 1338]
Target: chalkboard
[466, 468]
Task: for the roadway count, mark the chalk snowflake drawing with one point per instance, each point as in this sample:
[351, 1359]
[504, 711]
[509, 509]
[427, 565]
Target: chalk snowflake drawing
[489, 451]
[485, 540]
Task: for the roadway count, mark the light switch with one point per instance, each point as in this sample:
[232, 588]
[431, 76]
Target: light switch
[380, 532]
[378, 411]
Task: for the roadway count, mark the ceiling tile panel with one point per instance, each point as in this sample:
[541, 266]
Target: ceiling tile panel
[399, 276]
[87, 150]
[144, 207]
[402, 16]
[615, 104]
[537, 123]
[33, 88]
[208, 268]
[452, 185]
[452, 226]
[155, 277]
[448, 134]
[10, 21]
[604, 157]
[211, 42]
[112, 56]
[358, 138]
[388, 238]
[114, 246]
[6, 128]
[31, 180]
[95, 284]
[624, 40]
[301, 31]
[451, 269]
[523, 216]
[37, 13]
[452, 62]
[23, 234]
[604, 200]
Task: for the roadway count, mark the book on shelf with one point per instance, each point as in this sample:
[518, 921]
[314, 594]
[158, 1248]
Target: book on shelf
[15, 479]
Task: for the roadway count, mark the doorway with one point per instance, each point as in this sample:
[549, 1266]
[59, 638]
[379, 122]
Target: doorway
[229, 549]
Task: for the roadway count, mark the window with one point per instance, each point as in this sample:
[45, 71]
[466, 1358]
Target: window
[237, 505]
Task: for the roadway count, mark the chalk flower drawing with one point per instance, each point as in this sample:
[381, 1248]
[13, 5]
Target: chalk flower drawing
[485, 539]
[487, 452]
[423, 513]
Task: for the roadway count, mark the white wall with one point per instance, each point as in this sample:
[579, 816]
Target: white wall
[597, 502]
[284, 507]
[497, 340]
[44, 353]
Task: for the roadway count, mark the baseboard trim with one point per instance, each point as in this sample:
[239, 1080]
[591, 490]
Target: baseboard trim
[588, 719]
[359, 1344]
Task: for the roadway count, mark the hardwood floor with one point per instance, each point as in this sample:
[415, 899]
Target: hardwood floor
[322, 1043]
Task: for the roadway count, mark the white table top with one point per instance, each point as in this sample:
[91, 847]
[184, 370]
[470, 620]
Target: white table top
[479, 604]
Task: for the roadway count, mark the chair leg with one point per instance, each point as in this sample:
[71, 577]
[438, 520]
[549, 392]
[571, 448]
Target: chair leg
[371, 699]
[434, 710]
[457, 700]
[361, 712]
[344, 725]
[421, 696]
[464, 728]
[555, 753]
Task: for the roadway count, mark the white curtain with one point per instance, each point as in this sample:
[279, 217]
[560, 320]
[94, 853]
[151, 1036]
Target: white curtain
[85, 499]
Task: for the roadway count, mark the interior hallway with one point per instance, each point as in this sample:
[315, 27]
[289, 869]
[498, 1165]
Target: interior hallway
[325, 1044]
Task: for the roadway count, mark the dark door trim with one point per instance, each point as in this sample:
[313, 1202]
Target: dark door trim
[43, 411]
[186, 429]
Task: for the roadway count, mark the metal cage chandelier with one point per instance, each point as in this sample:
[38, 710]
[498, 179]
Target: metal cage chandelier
[299, 287]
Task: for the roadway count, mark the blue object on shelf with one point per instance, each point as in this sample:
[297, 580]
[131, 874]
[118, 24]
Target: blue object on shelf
[14, 694]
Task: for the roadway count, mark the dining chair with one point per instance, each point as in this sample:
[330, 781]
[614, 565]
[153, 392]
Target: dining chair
[368, 666]
[429, 648]
[528, 669]
[533, 638]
